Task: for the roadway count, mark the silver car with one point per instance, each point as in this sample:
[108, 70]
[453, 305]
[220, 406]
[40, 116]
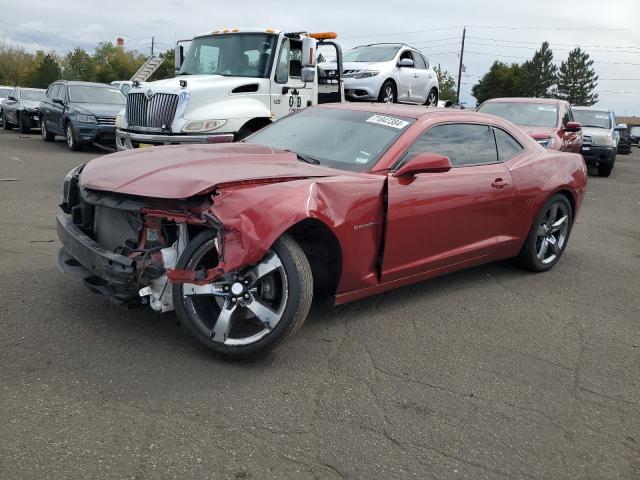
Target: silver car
[387, 72]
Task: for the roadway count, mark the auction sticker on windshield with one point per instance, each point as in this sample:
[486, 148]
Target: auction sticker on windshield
[388, 121]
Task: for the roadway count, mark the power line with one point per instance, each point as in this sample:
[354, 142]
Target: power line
[554, 48]
[403, 33]
[554, 43]
[500, 27]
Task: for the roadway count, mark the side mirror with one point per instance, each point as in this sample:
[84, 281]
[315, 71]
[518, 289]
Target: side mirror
[308, 74]
[11, 97]
[406, 62]
[424, 163]
[179, 55]
[308, 52]
[621, 127]
[57, 100]
[572, 127]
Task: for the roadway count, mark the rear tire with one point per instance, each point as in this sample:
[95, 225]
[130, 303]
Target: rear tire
[286, 287]
[432, 98]
[388, 93]
[604, 169]
[46, 136]
[548, 236]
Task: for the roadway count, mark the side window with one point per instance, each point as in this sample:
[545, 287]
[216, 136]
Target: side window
[464, 144]
[426, 61]
[62, 92]
[565, 115]
[508, 147]
[420, 61]
[55, 88]
[282, 69]
[13, 93]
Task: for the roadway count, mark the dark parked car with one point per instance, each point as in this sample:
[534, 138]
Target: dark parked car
[4, 91]
[82, 112]
[20, 109]
[634, 134]
[624, 143]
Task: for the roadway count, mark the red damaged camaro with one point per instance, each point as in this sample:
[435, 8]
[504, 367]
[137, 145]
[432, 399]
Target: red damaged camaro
[339, 201]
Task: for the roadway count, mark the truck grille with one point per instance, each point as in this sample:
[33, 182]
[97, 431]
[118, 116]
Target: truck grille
[156, 112]
[586, 140]
[106, 120]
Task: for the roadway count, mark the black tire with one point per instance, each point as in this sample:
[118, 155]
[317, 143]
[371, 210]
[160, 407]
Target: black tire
[388, 93]
[528, 257]
[5, 124]
[432, 98]
[70, 136]
[295, 308]
[22, 128]
[46, 135]
[604, 169]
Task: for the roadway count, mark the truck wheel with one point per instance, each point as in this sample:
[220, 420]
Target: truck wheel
[387, 93]
[46, 136]
[72, 142]
[604, 169]
[548, 236]
[249, 312]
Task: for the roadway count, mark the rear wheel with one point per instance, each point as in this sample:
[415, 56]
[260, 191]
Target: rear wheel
[387, 93]
[548, 236]
[249, 312]
[432, 98]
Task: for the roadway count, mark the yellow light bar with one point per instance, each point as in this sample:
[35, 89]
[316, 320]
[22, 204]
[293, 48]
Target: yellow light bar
[270, 30]
[235, 30]
[323, 35]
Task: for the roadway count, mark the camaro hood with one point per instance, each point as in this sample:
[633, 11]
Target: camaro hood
[179, 172]
[98, 109]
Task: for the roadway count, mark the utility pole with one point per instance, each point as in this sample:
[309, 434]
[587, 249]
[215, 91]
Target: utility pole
[153, 42]
[464, 32]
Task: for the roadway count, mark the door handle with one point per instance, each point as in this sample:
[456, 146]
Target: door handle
[499, 183]
[415, 75]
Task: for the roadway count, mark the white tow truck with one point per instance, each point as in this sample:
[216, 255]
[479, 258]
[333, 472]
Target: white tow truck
[229, 84]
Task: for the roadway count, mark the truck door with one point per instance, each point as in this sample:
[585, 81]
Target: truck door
[288, 93]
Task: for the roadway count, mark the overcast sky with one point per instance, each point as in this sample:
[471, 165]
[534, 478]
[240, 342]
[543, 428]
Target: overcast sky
[496, 30]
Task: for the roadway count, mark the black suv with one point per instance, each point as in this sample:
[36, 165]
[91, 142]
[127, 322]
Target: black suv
[82, 112]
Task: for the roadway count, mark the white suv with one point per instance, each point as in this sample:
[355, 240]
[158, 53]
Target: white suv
[387, 72]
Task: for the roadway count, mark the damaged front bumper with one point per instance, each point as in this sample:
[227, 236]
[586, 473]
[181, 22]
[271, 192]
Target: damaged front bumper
[101, 270]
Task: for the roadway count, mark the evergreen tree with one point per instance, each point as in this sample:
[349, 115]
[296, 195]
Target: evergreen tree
[577, 79]
[502, 80]
[540, 74]
[46, 72]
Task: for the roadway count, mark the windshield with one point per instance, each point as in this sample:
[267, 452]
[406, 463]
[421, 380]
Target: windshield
[592, 118]
[4, 92]
[521, 113]
[234, 55]
[345, 139]
[88, 94]
[370, 54]
[36, 95]
[635, 131]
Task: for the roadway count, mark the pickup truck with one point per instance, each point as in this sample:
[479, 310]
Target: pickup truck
[229, 84]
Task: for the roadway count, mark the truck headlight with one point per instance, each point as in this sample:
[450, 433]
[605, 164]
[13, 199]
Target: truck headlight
[120, 121]
[87, 118]
[203, 126]
[602, 140]
[366, 74]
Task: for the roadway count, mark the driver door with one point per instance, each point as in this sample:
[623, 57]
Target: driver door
[437, 220]
[288, 93]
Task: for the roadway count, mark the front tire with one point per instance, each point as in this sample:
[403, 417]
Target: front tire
[548, 236]
[46, 135]
[72, 142]
[388, 93]
[249, 312]
[5, 124]
[22, 128]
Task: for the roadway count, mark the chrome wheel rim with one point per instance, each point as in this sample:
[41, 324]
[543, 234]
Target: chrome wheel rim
[551, 233]
[69, 137]
[388, 94]
[43, 130]
[431, 99]
[241, 308]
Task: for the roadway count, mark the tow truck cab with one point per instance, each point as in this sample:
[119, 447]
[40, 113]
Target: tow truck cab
[229, 84]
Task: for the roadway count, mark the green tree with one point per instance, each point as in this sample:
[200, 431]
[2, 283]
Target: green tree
[79, 65]
[539, 75]
[15, 64]
[446, 85]
[115, 63]
[577, 79]
[46, 72]
[502, 80]
[168, 67]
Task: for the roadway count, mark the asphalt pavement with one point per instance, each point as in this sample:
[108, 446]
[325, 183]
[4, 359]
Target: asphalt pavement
[490, 373]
